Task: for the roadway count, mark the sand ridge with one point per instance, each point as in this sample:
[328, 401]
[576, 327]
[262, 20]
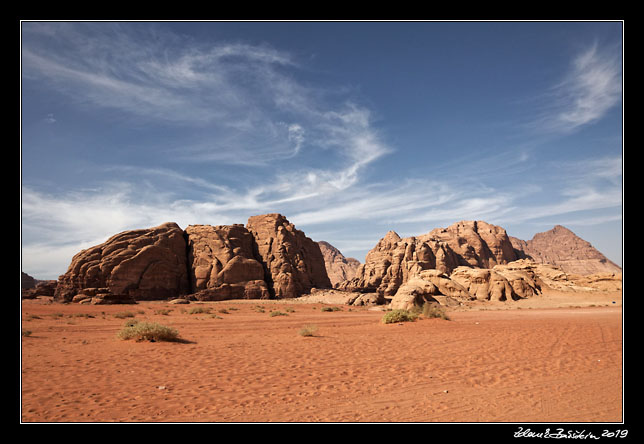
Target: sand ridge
[532, 365]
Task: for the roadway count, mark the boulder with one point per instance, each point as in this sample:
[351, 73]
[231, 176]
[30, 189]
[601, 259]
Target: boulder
[428, 286]
[133, 265]
[485, 284]
[293, 263]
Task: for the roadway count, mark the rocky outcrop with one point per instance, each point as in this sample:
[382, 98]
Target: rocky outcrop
[293, 263]
[338, 267]
[132, 265]
[552, 277]
[560, 246]
[477, 243]
[429, 286]
[223, 263]
[495, 285]
[269, 258]
[394, 259]
[26, 281]
[42, 288]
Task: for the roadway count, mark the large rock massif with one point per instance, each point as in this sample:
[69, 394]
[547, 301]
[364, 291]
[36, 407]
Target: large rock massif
[560, 246]
[269, 258]
[394, 260]
[134, 265]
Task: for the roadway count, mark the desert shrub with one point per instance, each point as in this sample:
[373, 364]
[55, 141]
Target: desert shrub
[83, 315]
[26, 333]
[124, 314]
[398, 315]
[148, 331]
[163, 311]
[199, 310]
[330, 309]
[434, 311]
[308, 330]
[277, 313]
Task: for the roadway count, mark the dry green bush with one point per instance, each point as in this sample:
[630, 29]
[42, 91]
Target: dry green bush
[148, 331]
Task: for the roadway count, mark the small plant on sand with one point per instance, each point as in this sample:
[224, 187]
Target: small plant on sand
[148, 331]
[434, 311]
[308, 330]
[124, 314]
[199, 310]
[330, 309]
[277, 313]
[399, 315]
[163, 312]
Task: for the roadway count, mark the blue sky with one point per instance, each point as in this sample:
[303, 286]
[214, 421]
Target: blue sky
[349, 129]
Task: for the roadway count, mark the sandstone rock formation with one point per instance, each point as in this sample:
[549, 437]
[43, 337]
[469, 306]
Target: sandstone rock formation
[429, 286]
[477, 243]
[553, 277]
[560, 246]
[270, 258]
[393, 260]
[485, 284]
[137, 264]
[338, 267]
[41, 288]
[223, 264]
[293, 263]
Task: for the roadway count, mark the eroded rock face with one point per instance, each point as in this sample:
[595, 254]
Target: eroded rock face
[293, 263]
[490, 285]
[477, 243]
[133, 265]
[560, 246]
[394, 259]
[223, 263]
[429, 286]
[338, 267]
[553, 277]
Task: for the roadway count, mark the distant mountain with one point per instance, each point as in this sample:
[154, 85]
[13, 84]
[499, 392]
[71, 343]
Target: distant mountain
[338, 267]
[560, 246]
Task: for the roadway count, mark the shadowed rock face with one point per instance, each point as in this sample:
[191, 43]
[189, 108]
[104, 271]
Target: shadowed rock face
[137, 264]
[563, 248]
[293, 263]
[223, 263]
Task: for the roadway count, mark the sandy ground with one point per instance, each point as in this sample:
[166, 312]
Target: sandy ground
[486, 364]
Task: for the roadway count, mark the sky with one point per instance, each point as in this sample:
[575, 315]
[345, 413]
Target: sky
[349, 129]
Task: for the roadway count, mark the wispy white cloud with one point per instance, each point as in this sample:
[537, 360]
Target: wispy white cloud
[591, 87]
[245, 108]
